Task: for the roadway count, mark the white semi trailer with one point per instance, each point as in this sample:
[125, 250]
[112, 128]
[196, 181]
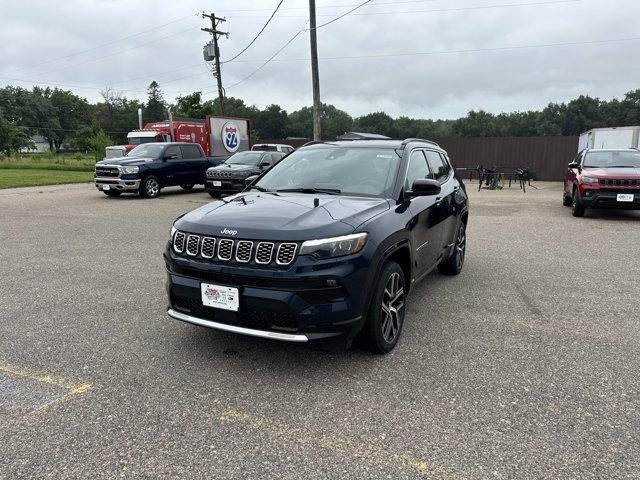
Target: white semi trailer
[614, 137]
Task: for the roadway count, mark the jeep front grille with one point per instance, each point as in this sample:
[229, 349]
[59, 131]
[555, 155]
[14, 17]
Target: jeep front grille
[238, 251]
[623, 182]
[225, 249]
[243, 251]
[193, 242]
[264, 253]
[286, 253]
[178, 242]
[208, 247]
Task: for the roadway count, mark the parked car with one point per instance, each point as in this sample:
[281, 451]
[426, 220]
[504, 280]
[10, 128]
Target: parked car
[230, 176]
[324, 247]
[602, 179]
[273, 147]
[152, 166]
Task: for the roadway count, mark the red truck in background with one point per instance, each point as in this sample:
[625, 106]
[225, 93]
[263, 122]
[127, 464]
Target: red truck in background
[218, 136]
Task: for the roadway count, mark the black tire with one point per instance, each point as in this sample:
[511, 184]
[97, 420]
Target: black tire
[112, 193]
[187, 187]
[214, 194]
[150, 187]
[385, 319]
[567, 201]
[453, 265]
[577, 209]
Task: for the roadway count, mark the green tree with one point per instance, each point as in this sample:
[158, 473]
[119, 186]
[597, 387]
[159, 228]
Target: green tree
[13, 137]
[189, 106]
[156, 107]
[117, 115]
[271, 122]
[377, 122]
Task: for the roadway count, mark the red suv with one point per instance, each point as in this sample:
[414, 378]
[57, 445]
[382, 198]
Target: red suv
[603, 179]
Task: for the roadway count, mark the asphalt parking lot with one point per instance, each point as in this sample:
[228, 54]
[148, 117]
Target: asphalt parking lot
[524, 366]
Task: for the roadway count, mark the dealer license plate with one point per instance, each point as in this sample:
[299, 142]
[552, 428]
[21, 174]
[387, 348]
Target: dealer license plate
[106, 187]
[625, 197]
[217, 183]
[217, 296]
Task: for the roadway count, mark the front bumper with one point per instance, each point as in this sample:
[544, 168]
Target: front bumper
[321, 303]
[118, 184]
[233, 185]
[600, 198]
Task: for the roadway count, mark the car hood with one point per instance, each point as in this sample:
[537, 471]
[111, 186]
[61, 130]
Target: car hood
[612, 172]
[282, 216]
[125, 161]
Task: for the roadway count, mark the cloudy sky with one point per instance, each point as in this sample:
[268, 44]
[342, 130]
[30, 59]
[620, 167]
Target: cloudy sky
[428, 59]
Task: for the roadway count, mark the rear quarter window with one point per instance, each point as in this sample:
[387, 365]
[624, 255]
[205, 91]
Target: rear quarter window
[190, 151]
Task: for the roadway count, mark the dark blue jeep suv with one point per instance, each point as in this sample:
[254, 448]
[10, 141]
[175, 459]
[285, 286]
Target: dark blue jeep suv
[324, 247]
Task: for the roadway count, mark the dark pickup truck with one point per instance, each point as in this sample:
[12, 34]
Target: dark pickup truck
[152, 166]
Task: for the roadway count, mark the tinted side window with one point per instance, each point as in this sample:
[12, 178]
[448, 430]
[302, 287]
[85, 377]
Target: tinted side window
[190, 151]
[417, 168]
[277, 157]
[174, 150]
[439, 166]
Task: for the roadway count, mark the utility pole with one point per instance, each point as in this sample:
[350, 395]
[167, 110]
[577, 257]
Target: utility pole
[215, 55]
[315, 74]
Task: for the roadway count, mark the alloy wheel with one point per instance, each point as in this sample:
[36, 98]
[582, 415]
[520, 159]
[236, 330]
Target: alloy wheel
[152, 187]
[392, 305]
[461, 245]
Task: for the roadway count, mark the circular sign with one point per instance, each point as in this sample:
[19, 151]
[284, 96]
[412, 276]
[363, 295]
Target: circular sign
[231, 137]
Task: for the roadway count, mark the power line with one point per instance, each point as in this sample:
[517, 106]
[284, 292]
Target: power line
[258, 35]
[290, 41]
[56, 59]
[343, 15]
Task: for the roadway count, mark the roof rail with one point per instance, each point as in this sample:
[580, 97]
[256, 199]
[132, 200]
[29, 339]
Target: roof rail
[316, 142]
[407, 141]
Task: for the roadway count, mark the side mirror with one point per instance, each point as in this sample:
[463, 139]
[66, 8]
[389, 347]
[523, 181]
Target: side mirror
[170, 156]
[249, 180]
[574, 165]
[424, 187]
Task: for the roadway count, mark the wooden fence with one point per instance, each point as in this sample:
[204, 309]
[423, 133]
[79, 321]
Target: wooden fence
[546, 157]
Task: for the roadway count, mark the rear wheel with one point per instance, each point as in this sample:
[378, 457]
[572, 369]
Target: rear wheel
[187, 187]
[453, 264]
[150, 187]
[384, 322]
[577, 209]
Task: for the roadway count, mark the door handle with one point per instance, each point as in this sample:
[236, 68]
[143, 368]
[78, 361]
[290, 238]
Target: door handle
[439, 201]
[456, 189]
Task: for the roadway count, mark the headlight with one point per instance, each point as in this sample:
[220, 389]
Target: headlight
[334, 247]
[129, 170]
[589, 180]
[173, 231]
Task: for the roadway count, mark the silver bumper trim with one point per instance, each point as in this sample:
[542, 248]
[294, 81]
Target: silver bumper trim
[285, 337]
[119, 185]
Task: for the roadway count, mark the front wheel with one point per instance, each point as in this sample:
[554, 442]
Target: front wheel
[567, 201]
[187, 187]
[150, 187]
[453, 264]
[577, 209]
[386, 315]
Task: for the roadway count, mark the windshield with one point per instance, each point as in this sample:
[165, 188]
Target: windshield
[244, 158]
[152, 150]
[350, 171]
[141, 140]
[612, 159]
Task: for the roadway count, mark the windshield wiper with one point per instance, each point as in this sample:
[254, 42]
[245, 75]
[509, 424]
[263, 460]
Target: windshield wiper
[260, 189]
[328, 191]
[622, 166]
